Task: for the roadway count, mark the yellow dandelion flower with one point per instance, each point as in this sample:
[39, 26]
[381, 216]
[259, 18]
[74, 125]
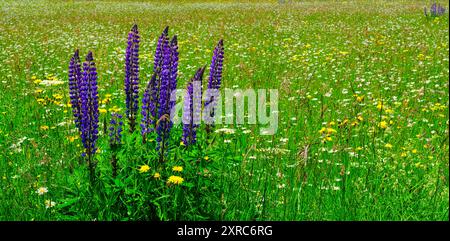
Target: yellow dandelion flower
[157, 175]
[206, 158]
[360, 118]
[389, 111]
[102, 111]
[380, 105]
[114, 109]
[177, 169]
[404, 154]
[388, 145]
[107, 99]
[44, 128]
[321, 131]
[360, 98]
[175, 180]
[383, 124]
[144, 168]
[414, 151]
[331, 130]
[57, 96]
[421, 57]
[72, 138]
[343, 123]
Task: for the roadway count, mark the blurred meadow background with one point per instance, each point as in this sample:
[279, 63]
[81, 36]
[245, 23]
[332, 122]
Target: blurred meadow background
[363, 110]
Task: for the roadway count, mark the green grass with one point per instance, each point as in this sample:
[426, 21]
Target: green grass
[331, 63]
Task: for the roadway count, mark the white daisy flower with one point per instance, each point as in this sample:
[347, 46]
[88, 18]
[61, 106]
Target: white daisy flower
[42, 191]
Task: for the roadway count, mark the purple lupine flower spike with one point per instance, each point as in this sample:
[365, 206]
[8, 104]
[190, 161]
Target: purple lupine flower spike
[165, 82]
[436, 10]
[115, 138]
[148, 105]
[214, 82]
[132, 76]
[89, 109]
[163, 41]
[173, 70]
[164, 97]
[433, 9]
[89, 105]
[441, 10]
[188, 114]
[197, 101]
[166, 101]
[74, 90]
[158, 60]
[192, 108]
[115, 130]
[135, 60]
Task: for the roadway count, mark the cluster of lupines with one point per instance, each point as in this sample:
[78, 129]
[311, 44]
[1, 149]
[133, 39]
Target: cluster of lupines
[74, 83]
[132, 76]
[158, 99]
[192, 108]
[435, 10]
[84, 100]
[214, 81]
[115, 137]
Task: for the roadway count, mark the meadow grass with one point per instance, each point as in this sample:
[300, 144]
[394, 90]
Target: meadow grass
[363, 110]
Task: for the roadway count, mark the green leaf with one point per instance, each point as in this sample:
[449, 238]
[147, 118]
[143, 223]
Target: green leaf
[67, 202]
